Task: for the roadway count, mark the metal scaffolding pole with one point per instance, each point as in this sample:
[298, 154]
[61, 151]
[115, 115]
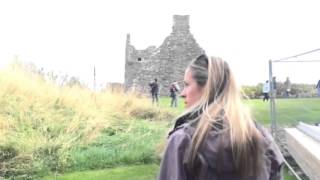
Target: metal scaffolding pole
[272, 101]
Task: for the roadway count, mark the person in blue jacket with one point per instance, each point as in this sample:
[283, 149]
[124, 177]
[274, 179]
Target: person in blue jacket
[174, 89]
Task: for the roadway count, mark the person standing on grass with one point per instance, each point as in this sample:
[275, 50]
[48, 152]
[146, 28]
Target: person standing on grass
[318, 88]
[216, 137]
[154, 89]
[287, 85]
[266, 90]
[174, 88]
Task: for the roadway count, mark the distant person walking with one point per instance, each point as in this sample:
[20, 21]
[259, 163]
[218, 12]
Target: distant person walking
[318, 88]
[174, 88]
[266, 90]
[287, 85]
[154, 86]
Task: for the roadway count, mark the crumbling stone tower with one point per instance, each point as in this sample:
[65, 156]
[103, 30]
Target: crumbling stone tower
[166, 63]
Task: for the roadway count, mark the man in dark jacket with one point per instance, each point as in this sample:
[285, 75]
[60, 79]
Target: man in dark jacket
[154, 91]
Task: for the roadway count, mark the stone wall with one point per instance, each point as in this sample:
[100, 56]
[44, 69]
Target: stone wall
[167, 63]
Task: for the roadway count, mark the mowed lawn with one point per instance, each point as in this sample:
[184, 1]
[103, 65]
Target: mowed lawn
[289, 113]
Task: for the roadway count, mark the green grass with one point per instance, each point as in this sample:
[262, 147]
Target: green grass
[287, 175]
[132, 142]
[135, 172]
[288, 111]
[166, 101]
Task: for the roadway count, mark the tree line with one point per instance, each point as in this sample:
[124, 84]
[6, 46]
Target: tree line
[296, 90]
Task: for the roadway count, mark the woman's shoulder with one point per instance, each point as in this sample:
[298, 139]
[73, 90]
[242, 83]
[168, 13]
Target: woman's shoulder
[264, 132]
[183, 135]
[184, 130]
[179, 139]
[266, 135]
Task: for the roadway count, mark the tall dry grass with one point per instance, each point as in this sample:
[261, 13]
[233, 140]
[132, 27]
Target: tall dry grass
[40, 122]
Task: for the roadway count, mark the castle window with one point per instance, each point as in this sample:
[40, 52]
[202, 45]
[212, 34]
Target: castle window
[139, 58]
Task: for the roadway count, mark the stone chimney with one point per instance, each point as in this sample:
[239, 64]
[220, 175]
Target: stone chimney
[128, 39]
[180, 23]
[127, 47]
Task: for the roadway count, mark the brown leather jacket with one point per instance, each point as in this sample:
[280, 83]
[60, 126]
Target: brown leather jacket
[173, 165]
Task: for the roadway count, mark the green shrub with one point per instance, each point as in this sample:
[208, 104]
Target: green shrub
[7, 152]
[144, 113]
[14, 164]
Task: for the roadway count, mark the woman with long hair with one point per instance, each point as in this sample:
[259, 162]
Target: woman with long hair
[216, 137]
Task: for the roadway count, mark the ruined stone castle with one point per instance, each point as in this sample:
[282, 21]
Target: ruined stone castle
[167, 62]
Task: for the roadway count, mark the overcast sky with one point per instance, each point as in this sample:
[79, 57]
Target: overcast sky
[73, 36]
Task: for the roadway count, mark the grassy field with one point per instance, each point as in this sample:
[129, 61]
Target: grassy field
[135, 172]
[259, 108]
[72, 133]
[288, 111]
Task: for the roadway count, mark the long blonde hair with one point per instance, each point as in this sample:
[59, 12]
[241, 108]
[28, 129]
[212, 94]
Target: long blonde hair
[222, 100]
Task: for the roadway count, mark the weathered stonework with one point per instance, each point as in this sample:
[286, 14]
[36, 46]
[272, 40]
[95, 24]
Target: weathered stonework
[166, 63]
